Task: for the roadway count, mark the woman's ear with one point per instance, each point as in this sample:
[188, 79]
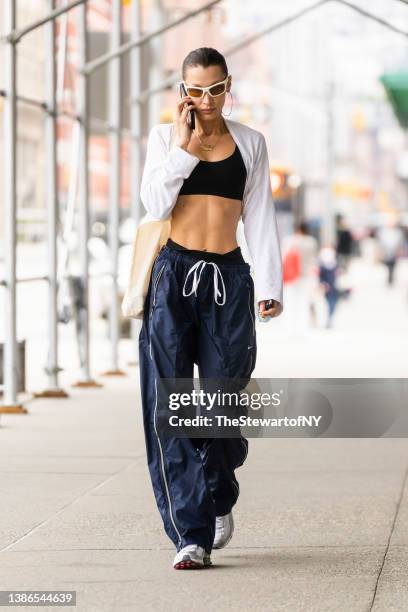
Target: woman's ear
[229, 83]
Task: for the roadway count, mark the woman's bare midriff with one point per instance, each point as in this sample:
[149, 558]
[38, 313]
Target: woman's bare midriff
[207, 222]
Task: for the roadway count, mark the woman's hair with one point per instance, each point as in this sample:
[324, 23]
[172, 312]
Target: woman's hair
[204, 56]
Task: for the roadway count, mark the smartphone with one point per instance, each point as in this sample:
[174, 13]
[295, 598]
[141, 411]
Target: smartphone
[190, 114]
[268, 304]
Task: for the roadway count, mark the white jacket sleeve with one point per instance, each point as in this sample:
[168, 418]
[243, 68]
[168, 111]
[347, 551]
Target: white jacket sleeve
[261, 231]
[163, 174]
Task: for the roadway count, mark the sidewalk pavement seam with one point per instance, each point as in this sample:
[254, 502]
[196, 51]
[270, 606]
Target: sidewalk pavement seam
[397, 509]
[60, 473]
[71, 456]
[67, 505]
[170, 548]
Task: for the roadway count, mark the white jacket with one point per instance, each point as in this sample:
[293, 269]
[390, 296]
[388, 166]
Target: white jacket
[167, 166]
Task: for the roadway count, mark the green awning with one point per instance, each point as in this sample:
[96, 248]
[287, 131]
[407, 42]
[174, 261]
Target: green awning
[396, 87]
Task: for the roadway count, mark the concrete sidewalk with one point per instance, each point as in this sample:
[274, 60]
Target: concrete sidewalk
[321, 524]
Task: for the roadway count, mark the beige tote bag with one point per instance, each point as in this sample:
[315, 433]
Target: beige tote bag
[151, 234]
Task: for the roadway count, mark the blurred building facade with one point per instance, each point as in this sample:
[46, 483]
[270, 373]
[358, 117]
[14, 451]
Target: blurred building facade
[280, 85]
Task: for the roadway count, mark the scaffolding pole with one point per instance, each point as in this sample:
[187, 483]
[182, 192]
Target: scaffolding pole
[114, 139]
[135, 148]
[10, 367]
[52, 368]
[135, 113]
[83, 189]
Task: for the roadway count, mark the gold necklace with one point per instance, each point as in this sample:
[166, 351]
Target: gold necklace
[208, 147]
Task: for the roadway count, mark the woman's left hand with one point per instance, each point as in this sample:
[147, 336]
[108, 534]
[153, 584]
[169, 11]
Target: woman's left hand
[271, 312]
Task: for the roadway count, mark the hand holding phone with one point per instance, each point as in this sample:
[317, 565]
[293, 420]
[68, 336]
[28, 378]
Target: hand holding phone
[268, 304]
[183, 131]
[191, 113]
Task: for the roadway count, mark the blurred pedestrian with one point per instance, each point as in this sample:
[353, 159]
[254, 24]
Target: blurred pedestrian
[391, 239]
[328, 270]
[369, 247]
[299, 252]
[345, 242]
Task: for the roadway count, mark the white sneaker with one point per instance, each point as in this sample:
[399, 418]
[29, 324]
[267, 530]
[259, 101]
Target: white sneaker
[191, 556]
[224, 528]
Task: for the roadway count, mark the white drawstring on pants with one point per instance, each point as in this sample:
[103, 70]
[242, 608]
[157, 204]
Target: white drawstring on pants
[196, 280]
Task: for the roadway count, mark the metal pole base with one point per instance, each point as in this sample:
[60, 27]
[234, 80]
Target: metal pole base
[87, 383]
[51, 393]
[13, 409]
[114, 373]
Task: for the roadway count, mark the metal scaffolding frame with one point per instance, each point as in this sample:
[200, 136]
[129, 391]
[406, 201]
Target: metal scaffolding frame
[114, 91]
[172, 79]
[52, 203]
[82, 125]
[125, 48]
[14, 36]
[10, 221]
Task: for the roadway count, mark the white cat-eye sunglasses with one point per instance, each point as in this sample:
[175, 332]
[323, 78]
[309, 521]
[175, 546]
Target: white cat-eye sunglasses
[214, 90]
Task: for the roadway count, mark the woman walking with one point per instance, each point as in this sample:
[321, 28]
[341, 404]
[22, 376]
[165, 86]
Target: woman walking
[200, 306]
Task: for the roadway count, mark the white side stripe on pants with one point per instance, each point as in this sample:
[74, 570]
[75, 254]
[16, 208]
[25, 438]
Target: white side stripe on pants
[162, 467]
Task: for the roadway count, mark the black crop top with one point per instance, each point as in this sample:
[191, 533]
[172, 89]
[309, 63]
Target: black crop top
[225, 177]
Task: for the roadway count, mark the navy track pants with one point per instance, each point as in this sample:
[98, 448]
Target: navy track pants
[199, 312]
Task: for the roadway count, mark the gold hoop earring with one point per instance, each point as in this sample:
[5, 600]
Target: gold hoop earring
[232, 104]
